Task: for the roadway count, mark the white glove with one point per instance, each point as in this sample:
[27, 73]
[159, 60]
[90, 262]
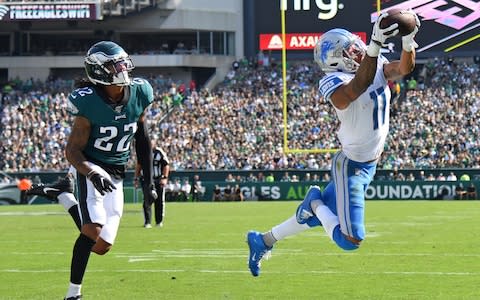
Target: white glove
[408, 42]
[379, 36]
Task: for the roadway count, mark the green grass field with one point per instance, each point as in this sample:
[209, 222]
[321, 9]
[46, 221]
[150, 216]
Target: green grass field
[413, 250]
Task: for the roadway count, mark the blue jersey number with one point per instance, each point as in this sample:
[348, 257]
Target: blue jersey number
[379, 103]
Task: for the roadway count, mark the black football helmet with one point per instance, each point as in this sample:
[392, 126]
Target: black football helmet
[108, 64]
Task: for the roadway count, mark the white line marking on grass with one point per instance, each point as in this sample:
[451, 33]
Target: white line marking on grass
[314, 272]
[38, 253]
[240, 253]
[133, 260]
[31, 213]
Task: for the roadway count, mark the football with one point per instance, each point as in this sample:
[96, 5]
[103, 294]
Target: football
[406, 21]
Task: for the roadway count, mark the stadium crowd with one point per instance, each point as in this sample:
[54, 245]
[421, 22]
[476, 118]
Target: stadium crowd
[239, 124]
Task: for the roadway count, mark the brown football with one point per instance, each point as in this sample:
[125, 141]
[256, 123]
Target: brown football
[406, 21]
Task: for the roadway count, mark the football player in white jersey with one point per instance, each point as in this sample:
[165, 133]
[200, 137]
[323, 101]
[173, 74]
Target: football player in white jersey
[355, 83]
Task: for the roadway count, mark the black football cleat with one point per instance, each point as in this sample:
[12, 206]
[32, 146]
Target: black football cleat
[52, 191]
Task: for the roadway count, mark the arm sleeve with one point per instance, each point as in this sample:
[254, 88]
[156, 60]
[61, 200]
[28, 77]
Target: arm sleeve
[143, 147]
[330, 83]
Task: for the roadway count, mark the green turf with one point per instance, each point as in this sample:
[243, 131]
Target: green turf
[413, 250]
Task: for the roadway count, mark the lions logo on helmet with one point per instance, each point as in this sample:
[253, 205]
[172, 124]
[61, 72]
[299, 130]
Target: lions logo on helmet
[108, 64]
[339, 50]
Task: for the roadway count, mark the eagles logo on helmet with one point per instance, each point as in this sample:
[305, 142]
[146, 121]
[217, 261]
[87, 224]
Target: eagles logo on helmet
[108, 64]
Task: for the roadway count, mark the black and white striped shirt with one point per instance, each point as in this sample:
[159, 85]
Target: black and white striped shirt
[160, 160]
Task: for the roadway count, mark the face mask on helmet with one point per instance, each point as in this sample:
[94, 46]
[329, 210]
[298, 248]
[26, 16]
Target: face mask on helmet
[339, 50]
[108, 64]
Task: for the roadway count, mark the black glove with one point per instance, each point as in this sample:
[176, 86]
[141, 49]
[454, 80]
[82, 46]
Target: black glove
[101, 183]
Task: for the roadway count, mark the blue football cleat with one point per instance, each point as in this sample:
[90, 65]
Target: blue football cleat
[305, 214]
[258, 250]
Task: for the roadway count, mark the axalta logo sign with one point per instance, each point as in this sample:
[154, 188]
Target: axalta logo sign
[294, 41]
[327, 9]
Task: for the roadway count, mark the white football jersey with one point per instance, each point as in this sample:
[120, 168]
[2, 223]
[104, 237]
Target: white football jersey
[364, 124]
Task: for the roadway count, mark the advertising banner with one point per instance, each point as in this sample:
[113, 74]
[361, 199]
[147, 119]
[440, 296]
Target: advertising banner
[447, 25]
[40, 11]
[294, 41]
[378, 190]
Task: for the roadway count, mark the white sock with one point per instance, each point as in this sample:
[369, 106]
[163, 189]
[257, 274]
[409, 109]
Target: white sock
[287, 228]
[67, 200]
[328, 219]
[74, 290]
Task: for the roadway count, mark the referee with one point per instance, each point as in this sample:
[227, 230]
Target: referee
[160, 171]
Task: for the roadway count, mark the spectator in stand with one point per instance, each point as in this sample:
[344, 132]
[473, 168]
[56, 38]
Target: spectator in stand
[192, 86]
[261, 177]
[286, 177]
[410, 177]
[235, 193]
[441, 177]
[198, 190]
[439, 116]
[186, 190]
[164, 49]
[238, 194]
[460, 192]
[251, 178]
[230, 178]
[217, 194]
[451, 176]
[180, 49]
[421, 175]
[307, 177]
[227, 193]
[169, 191]
[270, 178]
[326, 177]
[471, 192]
[239, 178]
[177, 190]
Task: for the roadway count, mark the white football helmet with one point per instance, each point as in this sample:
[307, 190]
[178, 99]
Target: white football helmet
[339, 50]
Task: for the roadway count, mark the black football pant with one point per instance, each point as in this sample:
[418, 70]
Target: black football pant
[159, 203]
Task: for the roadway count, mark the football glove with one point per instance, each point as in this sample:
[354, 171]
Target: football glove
[100, 182]
[380, 35]
[408, 42]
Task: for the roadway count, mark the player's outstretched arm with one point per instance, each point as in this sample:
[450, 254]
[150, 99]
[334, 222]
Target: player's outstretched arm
[365, 74]
[406, 64]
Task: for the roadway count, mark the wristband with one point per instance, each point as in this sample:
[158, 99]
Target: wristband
[373, 49]
[89, 174]
[163, 177]
[408, 44]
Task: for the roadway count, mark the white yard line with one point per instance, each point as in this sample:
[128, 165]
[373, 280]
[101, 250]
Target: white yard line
[313, 272]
